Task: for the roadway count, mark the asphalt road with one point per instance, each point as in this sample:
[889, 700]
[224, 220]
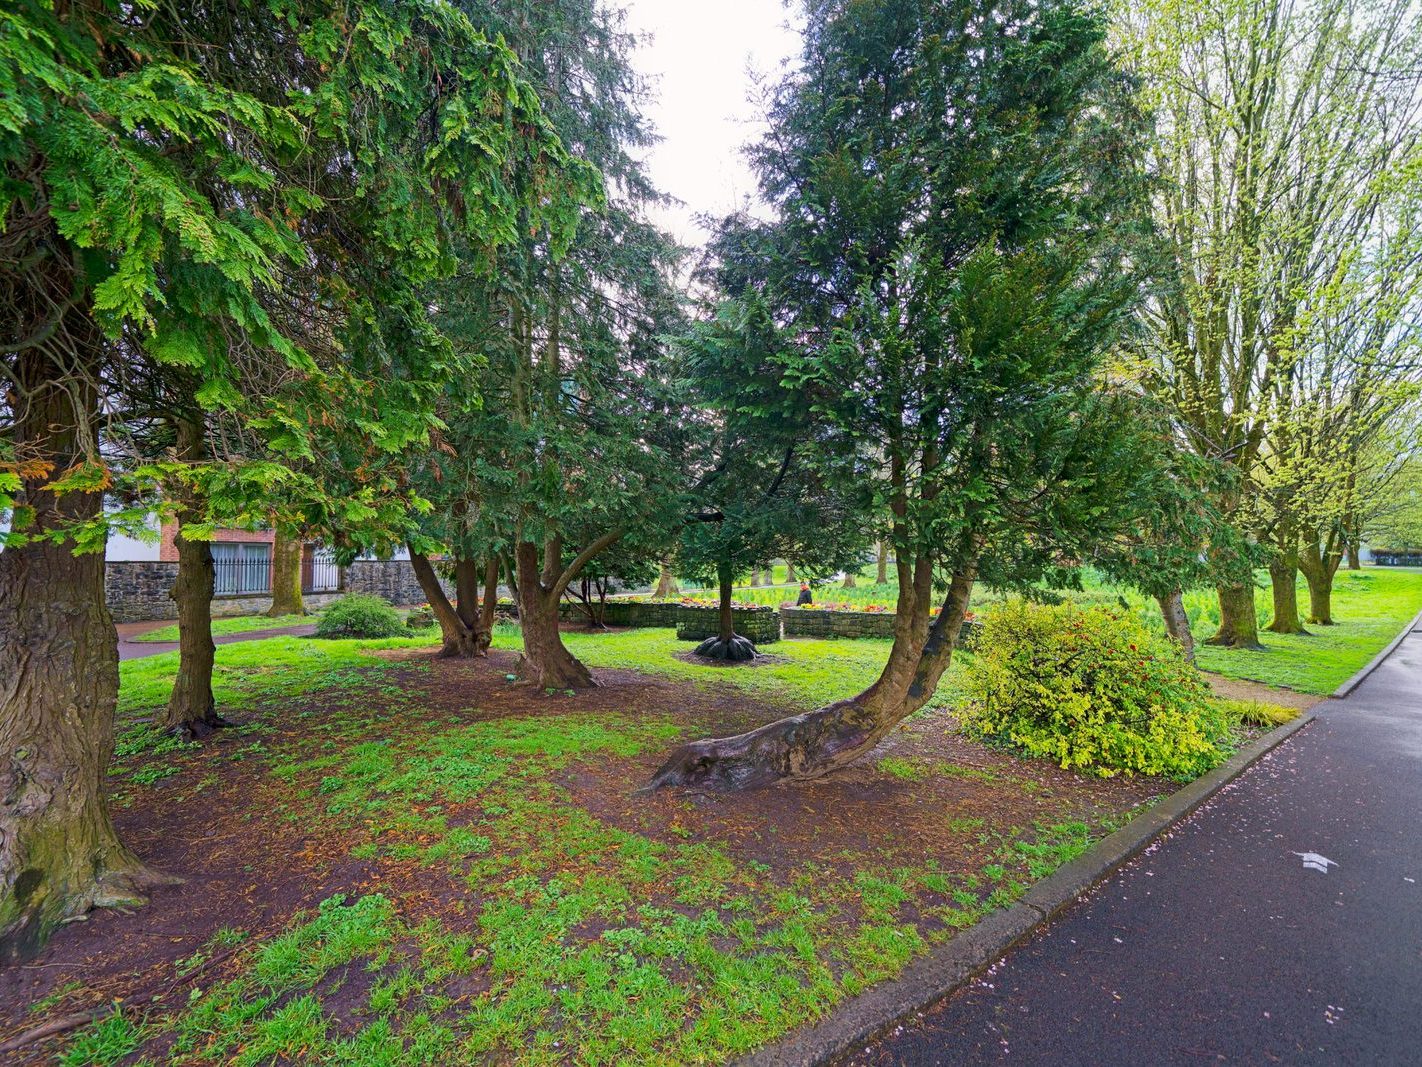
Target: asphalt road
[1219, 945]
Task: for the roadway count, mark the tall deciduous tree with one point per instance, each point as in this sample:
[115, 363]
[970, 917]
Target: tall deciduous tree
[959, 193]
[210, 189]
[1277, 121]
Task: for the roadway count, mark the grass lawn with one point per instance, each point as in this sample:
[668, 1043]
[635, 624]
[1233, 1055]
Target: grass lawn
[396, 859]
[233, 624]
[1370, 607]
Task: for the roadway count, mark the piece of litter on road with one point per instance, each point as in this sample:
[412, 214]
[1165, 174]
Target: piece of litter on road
[1314, 862]
[1407, 879]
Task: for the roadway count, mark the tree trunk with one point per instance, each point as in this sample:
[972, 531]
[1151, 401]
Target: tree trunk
[725, 621]
[727, 645]
[1319, 561]
[1283, 581]
[666, 583]
[755, 577]
[790, 572]
[59, 854]
[490, 607]
[1239, 623]
[460, 631]
[546, 662]
[286, 577]
[881, 576]
[1355, 556]
[848, 580]
[1177, 623]
[191, 712]
[821, 741]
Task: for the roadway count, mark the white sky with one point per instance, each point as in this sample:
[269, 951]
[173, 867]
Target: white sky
[699, 58]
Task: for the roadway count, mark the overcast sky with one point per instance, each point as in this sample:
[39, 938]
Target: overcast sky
[700, 55]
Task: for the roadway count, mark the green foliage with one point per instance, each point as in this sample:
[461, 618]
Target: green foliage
[360, 615]
[1091, 689]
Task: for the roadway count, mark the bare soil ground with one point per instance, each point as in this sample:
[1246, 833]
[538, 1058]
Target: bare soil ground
[250, 860]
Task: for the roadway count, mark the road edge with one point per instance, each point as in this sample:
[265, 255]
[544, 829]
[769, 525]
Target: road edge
[1346, 689]
[953, 964]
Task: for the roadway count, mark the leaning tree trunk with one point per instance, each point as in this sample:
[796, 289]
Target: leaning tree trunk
[666, 583]
[821, 741]
[460, 624]
[286, 577]
[59, 854]
[1284, 583]
[546, 661]
[1177, 622]
[1239, 623]
[727, 644]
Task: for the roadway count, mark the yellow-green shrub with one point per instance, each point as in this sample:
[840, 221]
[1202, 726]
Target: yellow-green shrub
[1091, 689]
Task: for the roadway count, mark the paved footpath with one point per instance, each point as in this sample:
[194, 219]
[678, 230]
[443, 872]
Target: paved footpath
[1220, 944]
[128, 648]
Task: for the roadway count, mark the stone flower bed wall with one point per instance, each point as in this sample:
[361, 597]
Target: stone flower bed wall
[629, 613]
[761, 624]
[817, 622]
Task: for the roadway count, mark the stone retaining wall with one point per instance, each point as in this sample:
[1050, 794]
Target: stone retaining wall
[140, 591]
[812, 622]
[761, 625]
[629, 613]
[393, 579]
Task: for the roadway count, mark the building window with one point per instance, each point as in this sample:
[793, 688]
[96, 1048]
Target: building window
[241, 569]
[319, 571]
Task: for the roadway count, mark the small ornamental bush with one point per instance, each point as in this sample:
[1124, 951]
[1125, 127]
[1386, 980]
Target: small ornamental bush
[360, 615]
[1092, 690]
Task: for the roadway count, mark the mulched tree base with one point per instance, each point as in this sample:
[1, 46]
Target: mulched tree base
[737, 650]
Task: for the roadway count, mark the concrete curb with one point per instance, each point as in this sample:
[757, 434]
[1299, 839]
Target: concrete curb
[928, 980]
[1346, 689]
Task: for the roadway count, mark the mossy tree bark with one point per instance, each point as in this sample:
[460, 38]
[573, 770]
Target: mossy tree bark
[1239, 622]
[1177, 622]
[1319, 560]
[1283, 583]
[461, 624]
[286, 576]
[59, 853]
[818, 742]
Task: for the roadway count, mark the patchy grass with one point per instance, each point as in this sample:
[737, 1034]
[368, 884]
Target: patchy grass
[802, 672]
[233, 624]
[490, 888]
